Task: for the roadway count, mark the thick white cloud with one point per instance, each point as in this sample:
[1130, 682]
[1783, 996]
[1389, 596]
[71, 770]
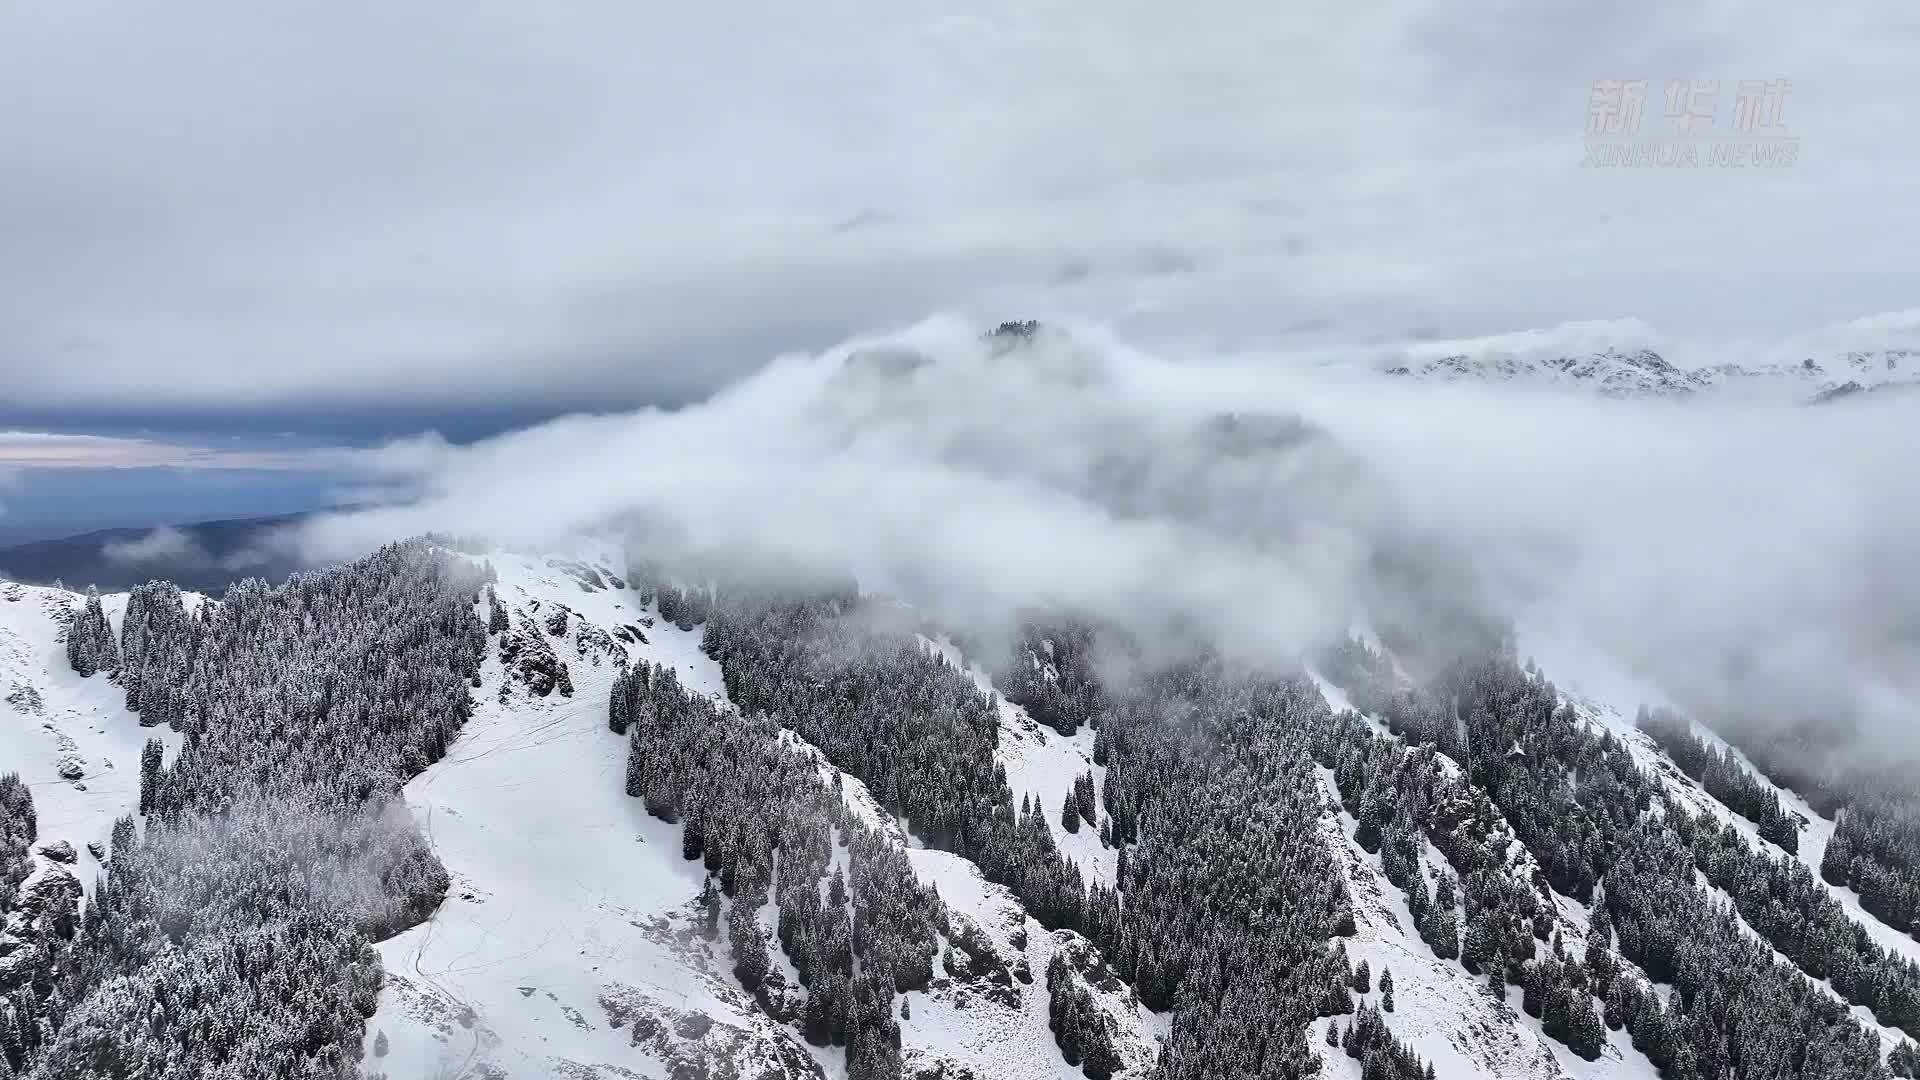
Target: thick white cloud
[1737, 549]
[217, 202]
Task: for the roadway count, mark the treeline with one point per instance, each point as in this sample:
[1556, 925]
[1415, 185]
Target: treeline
[1723, 777]
[1050, 675]
[1574, 797]
[765, 825]
[1381, 1056]
[888, 709]
[1876, 845]
[17, 826]
[1210, 785]
[90, 643]
[1875, 851]
[1083, 1030]
[233, 938]
[1209, 793]
[1403, 797]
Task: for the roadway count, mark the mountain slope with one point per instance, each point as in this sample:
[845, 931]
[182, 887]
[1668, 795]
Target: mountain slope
[1608, 696]
[579, 935]
[568, 944]
[72, 739]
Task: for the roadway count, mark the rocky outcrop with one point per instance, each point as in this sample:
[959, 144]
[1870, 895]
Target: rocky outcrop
[596, 646]
[530, 660]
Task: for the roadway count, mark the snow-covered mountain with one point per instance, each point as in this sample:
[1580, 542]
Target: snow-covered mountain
[1628, 359]
[73, 740]
[567, 947]
[570, 938]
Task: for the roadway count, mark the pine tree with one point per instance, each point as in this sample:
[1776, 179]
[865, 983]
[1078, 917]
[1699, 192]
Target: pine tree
[1084, 797]
[693, 840]
[1070, 815]
[151, 757]
[1386, 990]
[90, 641]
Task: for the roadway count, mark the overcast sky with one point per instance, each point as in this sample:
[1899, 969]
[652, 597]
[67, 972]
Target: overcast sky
[368, 218]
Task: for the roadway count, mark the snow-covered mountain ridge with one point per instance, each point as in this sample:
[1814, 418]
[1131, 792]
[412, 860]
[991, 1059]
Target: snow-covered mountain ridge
[576, 935]
[568, 943]
[1645, 373]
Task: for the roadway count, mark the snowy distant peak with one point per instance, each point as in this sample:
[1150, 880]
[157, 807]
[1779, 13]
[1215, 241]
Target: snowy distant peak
[1628, 359]
[1613, 372]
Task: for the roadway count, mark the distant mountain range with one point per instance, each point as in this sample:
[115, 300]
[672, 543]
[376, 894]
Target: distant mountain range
[1643, 372]
[204, 556]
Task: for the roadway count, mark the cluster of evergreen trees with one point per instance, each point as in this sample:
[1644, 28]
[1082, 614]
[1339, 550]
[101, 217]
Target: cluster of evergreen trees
[90, 643]
[1210, 785]
[1876, 847]
[1209, 792]
[232, 939]
[1875, 851]
[1573, 796]
[1049, 675]
[1904, 1060]
[17, 825]
[1402, 797]
[1082, 1029]
[157, 641]
[1381, 1056]
[1783, 902]
[1733, 1009]
[685, 606]
[886, 708]
[852, 917]
[1723, 777]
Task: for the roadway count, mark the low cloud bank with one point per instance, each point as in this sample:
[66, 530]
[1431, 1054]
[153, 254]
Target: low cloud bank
[1750, 557]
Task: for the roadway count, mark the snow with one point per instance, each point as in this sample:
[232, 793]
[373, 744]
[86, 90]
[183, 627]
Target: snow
[82, 723]
[1604, 692]
[995, 1041]
[569, 903]
[564, 890]
[1337, 698]
[1441, 1010]
[1042, 763]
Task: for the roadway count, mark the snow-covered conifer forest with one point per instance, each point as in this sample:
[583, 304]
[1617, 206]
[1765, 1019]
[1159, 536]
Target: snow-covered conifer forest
[801, 832]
